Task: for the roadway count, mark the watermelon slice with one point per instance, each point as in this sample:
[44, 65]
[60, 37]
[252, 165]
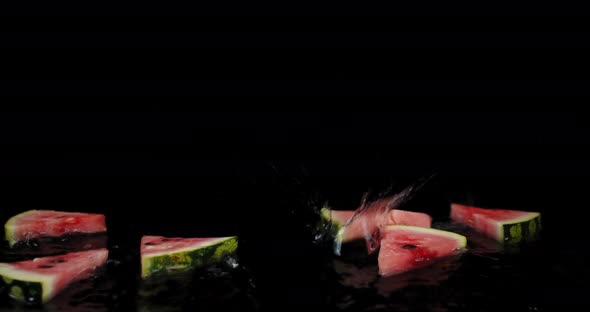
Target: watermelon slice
[510, 226]
[33, 224]
[356, 230]
[404, 248]
[166, 254]
[40, 279]
[348, 225]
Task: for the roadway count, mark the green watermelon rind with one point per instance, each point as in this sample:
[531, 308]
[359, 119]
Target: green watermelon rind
[9, 227]
[525, 228]
[327, 216]
[29, 286]
[510, 231]
[461, 240]
[19, 281]
[189, 257]
[334, 225]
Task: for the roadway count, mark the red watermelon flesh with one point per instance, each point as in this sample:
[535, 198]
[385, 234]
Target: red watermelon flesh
[43, 278]
[402, 217]
[38, 223]
[373, 223]
[367, 221]
[338, 217]
[503, 225]
[405, 248]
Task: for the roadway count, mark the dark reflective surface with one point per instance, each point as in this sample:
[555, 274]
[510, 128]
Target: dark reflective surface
[262, 176]
[47, 246]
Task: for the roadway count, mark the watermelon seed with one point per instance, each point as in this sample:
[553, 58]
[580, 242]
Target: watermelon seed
[149, 244]
[409, 246]
[45, 266]
[16, 292]
[58, 261]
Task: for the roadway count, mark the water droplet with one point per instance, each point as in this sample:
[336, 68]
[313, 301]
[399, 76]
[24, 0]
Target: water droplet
[533, 308]
[113, 262]
[232, 262]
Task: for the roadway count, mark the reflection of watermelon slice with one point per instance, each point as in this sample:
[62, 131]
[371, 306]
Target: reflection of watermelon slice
[509, 226]
[164, 254]
[404, 248]
[38, 223]
[40, 279]
[50, 246]
[431, 275]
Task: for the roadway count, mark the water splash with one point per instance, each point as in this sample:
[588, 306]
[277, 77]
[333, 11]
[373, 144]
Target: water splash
[371, 215]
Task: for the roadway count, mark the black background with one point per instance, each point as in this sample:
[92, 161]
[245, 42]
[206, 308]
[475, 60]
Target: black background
[261, 174]
[128, 111]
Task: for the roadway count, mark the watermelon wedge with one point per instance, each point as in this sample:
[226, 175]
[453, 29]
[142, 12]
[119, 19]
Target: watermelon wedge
[509, 226]
[40, 279]
[404, 248]
[356, 230]
[33, 224]
[370, 217]
[348, 225]
[171, 254]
